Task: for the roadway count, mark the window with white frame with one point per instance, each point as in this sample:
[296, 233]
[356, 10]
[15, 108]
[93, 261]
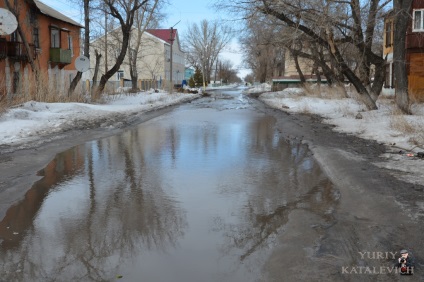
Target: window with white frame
[55, 38]
[120, 74]
[418, 24]
[71, 45]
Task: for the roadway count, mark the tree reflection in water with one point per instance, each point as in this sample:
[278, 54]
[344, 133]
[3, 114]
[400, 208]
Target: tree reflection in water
[125, 203]
[80, 227]
[302, 185]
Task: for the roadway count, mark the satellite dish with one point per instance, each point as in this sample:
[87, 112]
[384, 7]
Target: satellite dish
[8, 22]
[82, 63]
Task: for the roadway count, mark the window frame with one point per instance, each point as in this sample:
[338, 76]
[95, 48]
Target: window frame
[53, 39]
[389, 34]
[120, 74]
[71, 44]
[421, 29]
[36, 37]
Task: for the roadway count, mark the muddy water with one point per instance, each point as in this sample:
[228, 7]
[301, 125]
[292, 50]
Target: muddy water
[203, 193]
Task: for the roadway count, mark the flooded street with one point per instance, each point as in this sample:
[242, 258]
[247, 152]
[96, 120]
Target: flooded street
[206, 192]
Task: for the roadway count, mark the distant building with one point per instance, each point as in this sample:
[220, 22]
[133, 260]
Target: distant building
[153, 59]
[188, 73]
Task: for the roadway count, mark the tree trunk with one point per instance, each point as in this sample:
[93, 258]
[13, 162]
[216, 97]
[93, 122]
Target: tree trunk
[74, 83]
[96, 72]
[77, 78]
[119, 60]
[402, 19]
[298, 69]
[378, 82]
[133, 70]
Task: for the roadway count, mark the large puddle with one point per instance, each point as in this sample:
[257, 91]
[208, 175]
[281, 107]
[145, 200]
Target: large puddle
[200, 194]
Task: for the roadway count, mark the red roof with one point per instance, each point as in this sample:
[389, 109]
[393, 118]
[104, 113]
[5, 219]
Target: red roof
[164, 34]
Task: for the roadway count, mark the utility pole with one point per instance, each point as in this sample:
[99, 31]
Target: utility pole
[171, 39]
[106, 66]
[170, 63]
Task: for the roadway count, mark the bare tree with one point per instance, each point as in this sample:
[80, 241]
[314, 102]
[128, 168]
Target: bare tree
[334, 26]
[205, 42]
[262, 47]
[124, 11]
[144, 18]
[227, 73]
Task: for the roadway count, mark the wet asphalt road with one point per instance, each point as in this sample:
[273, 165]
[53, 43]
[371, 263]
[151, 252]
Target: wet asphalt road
[220, 189]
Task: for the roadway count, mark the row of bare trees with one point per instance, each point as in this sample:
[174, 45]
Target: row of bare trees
[342, 39]
[203, 44]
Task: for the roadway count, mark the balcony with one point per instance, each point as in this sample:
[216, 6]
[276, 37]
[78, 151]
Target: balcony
[60, 56]
[15, 50]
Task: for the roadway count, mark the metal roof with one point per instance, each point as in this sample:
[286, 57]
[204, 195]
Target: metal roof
[163, 34]
[49, 11]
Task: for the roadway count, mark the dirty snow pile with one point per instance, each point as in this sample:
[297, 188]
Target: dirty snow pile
[403, 134]
[31, 121]
[260, 88]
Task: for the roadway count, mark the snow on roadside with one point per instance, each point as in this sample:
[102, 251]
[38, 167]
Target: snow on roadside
[348, 115]
[32, 120]
[402, 133]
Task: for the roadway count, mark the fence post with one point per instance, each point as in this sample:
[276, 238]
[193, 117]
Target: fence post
[87, 85]
[121, 82]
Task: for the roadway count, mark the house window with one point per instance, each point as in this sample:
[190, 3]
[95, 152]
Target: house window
[71, 45]
[389, 41]
[14, 37]
[35, 38]
[387, 81]
[55, 38]
[418, 20]
[120, 74]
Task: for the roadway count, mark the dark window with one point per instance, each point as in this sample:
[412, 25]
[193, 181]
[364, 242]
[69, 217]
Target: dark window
[393, 75]
[36, 39]
[32, 16]
[14, 37]
[389, 41]
[387, 80]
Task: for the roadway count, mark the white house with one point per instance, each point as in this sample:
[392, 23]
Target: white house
[153, 57]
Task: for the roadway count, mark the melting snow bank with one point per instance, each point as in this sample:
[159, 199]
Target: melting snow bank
[28, 124]
[402, 134]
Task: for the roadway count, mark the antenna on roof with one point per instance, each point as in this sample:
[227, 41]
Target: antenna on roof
[8, 22]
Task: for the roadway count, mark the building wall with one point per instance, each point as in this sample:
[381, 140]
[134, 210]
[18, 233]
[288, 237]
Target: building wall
[290, 66]
[415, 56]
[30, 19]
[152, 63]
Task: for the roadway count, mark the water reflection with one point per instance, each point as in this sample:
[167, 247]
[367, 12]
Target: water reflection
[94, 209]
[196, 195]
